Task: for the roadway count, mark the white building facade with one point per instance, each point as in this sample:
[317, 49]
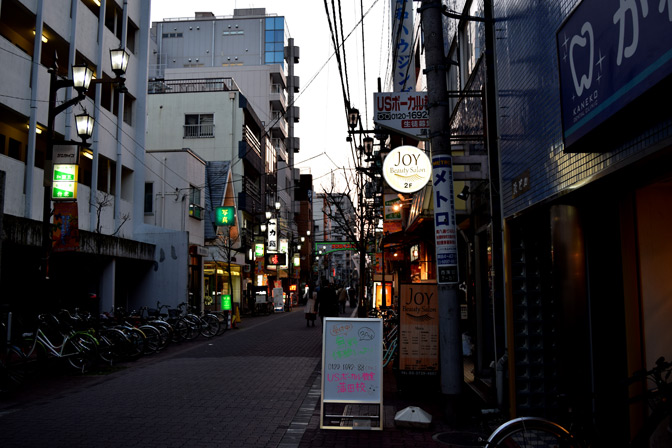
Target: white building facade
[101, 244]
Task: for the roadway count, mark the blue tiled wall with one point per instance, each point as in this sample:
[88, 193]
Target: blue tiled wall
[529, 107]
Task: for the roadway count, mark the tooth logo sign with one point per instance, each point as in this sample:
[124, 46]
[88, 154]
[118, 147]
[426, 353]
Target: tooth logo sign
[581, 41]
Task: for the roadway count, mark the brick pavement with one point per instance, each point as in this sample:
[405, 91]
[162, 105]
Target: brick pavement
[258, 386]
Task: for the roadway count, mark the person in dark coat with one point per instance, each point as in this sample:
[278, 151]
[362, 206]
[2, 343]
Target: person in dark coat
[327, 302]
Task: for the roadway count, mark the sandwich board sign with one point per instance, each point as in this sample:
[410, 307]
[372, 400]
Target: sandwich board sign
[352, 374]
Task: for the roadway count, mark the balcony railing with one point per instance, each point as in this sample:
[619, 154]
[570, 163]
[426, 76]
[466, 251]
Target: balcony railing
[199, 131]
[251, 139]
[192, 85]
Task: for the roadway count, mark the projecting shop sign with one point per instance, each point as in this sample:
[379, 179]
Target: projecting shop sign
[404, 112]
[445, 227]
[609, 53]
[407, 169]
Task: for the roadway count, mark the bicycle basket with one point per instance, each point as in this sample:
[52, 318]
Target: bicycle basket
[173, 313]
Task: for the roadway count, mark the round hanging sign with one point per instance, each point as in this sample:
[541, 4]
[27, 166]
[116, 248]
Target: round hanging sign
[407, 169]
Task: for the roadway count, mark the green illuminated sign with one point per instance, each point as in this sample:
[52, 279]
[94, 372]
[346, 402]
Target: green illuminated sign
[226, 302]
[225, 216]
[65, 172]
[64, 190]
[259, 250]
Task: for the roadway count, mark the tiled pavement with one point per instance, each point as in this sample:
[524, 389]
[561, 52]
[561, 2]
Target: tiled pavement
[258, 386]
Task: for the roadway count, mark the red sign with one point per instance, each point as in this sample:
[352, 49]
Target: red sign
[65, 236]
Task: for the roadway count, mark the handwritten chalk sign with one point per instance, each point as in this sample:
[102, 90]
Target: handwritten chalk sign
[352, 360]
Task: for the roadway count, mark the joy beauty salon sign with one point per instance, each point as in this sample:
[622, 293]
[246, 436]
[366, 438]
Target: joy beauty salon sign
[407, 169]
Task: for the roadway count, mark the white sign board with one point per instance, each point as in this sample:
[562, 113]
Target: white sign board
[403, 112]
[272, 236]
[352, 362]
[407, 169]
[445, 227]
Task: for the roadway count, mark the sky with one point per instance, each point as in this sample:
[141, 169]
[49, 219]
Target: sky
[322, 128]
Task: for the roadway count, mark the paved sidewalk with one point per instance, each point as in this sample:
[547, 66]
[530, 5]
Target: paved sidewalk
[258, 386]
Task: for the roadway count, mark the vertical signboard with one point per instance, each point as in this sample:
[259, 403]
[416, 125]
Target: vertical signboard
[272, 236]
[419, 329]
[402, 34]
[445, 227]
[352, 361]
[64, 182]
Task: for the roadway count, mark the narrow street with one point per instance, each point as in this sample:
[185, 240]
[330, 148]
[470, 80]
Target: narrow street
[257, 386]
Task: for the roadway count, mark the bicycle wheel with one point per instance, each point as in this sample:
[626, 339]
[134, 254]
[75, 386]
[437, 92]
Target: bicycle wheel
[137, 339]
[81, 351]
[152, 339]
[210, 326]
[532, 432]
[112, 342]
[13, 369]
[223, 324]
[165, 330]
[193, 327]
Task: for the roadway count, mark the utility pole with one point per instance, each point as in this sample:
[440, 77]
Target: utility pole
[452, 374]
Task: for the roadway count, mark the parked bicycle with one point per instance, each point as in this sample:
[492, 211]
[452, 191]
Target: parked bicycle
[54, 339]
[390, 333]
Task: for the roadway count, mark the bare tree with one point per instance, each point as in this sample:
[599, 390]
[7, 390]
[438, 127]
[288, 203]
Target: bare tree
[103, 200]
[359, 228]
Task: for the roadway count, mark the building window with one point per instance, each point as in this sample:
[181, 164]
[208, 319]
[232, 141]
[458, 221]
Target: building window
[14, 149]
[199, 126]
[195, 209]
[149, 198]
[131, 34]
[274, 42]
[129, 105]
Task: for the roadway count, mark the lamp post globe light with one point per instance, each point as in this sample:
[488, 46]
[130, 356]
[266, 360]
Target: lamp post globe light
[119, 61]
[84, 125]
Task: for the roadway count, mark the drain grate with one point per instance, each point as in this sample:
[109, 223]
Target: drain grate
[459, 439]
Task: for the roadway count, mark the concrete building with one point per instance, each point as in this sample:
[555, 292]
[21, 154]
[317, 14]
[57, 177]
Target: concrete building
[216, 122]
[585, 153]
[103, 245]
[253, 50]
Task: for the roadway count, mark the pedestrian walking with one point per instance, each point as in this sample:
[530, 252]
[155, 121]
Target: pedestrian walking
[310, 307]
[327, 302]
[342, 299]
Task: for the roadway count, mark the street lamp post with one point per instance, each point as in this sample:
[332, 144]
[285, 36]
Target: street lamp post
[82, 78]
[365, 149]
